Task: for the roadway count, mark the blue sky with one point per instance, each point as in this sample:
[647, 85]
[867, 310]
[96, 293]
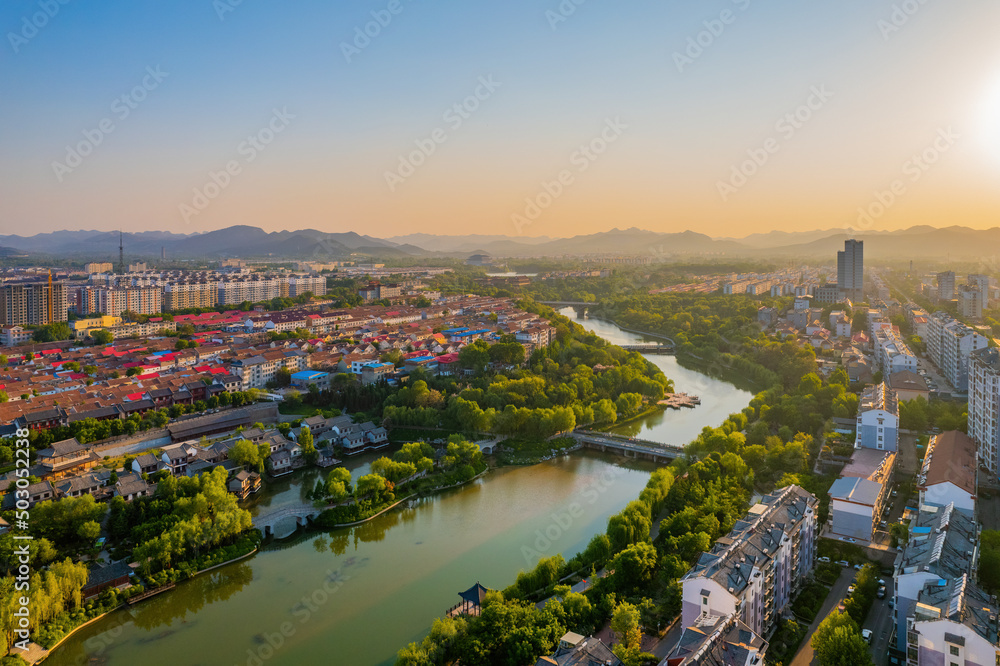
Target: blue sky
[350, 121]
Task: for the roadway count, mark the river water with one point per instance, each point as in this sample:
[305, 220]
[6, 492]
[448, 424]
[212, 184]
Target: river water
[719, 398]
[355, 595]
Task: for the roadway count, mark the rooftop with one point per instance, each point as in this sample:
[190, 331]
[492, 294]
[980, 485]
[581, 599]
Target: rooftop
[951, 457]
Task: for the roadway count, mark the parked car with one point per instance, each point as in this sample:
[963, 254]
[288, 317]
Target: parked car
[823, 559]
[841, 607]
[881, 582]
[844, 563]
[851, 589]
[867, 635]
[881, 593]
[849, 539]
[857, 567]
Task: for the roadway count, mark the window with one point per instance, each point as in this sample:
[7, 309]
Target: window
[954, 650]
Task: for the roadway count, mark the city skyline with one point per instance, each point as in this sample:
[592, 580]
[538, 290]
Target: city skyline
[522, 120]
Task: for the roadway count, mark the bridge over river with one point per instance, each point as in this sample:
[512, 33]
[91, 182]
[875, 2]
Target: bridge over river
[302, 514]
[628, 446]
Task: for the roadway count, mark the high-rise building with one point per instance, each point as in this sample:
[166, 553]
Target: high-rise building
[31, 303]
[949, 344]
[183, 294]
[946, 285]
[984, 405]
[970, 302]
[851, 269]
[982, 283]
[115, 301]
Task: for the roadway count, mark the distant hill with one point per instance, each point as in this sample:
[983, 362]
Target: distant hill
[245, 241]
[917, 242]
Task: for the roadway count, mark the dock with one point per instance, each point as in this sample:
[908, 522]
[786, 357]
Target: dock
[678, 400]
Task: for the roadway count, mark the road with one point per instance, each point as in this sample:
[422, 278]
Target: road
[805, 656]
[880, 622]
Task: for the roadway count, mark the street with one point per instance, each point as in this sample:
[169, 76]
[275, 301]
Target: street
[805, 657]
[880, 622]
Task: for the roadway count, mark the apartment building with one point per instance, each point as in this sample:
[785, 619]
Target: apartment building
[300, 284]
[14, 335]
[190, 294]
[981, 282]
[954, 622]
[851, 269]
[828, 293]
[984, 405]
[948, 473]
[29, 303]
[113, 301]
[98, 267]
[949, 344]
[715, 640]
[970, 302]
[257, 371]
[253, 288]
[941, 556]
[753, 572]
[859, 496]
[946, 285]
[878, 419]
[894, 355]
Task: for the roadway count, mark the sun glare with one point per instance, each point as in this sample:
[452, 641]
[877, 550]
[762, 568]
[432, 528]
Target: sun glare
[989, 121]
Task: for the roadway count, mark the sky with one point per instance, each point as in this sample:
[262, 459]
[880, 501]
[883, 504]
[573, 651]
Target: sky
[522, 117]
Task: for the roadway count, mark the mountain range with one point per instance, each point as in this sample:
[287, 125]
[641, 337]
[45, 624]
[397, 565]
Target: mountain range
[311, 244]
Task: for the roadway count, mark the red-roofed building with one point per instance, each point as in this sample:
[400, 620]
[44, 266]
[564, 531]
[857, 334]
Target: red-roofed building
[447, 364]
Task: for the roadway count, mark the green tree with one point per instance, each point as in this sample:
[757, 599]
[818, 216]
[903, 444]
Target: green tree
[338, 484]
[102, 336]
[89, 531]
[309, 452]
[246, 453]
[837, 642]
[625, 625]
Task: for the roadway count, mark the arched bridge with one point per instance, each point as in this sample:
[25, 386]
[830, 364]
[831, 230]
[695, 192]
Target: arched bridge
[628, 447]
[650, 348]
[579, 306]
[302, 514]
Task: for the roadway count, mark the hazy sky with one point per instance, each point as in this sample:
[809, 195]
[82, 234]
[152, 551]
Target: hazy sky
[533, 117]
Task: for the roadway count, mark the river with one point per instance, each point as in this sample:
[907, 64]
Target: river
[719, 398]
[355, 595]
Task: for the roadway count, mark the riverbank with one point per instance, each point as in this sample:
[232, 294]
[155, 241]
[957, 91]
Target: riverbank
[400, 568]
[649, 411]
[124, 604]
[318, 521]
[692, 361]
